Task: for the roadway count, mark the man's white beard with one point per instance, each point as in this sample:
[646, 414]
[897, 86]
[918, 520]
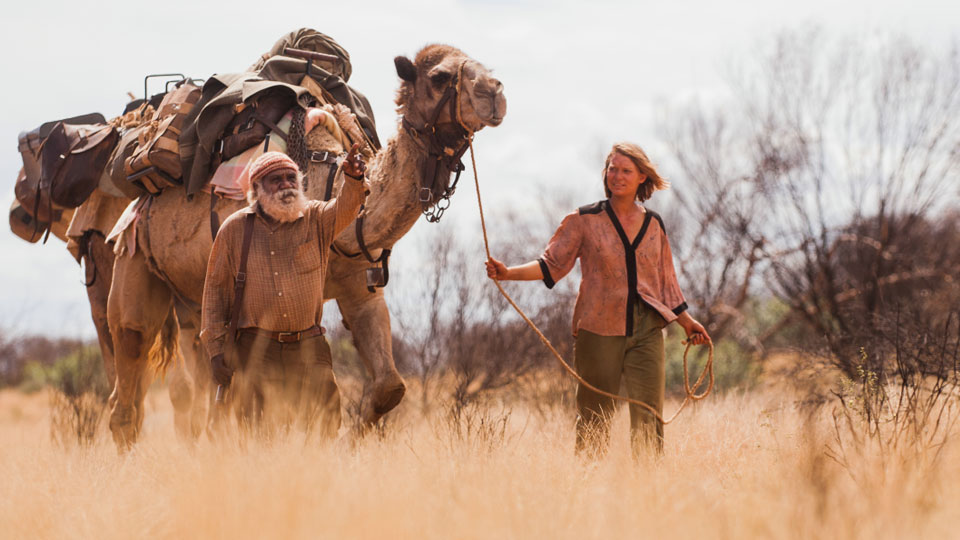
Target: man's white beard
[284, 206]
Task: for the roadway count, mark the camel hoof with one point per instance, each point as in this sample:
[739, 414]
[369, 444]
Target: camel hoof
[389, 398]
[124, 430]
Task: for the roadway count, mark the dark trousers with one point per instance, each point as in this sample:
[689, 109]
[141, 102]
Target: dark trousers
[636, 360]
[283, 384]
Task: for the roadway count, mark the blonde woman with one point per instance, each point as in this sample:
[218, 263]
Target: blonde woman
[628, 293]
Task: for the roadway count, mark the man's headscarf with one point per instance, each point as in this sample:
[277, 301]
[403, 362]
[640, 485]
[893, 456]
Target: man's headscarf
[269, 162]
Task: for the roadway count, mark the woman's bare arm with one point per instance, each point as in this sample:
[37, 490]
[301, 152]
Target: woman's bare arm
[525, 272]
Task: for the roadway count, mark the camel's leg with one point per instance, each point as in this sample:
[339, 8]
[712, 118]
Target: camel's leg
[139, 305]
[190, 385]
[203, 386]
[98, 261]
[180, 387]
[368, 319]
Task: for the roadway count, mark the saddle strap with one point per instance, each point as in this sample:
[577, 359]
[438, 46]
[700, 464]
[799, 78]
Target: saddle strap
[240, 281]
[328, 192]
[273, 127]
[214, 218]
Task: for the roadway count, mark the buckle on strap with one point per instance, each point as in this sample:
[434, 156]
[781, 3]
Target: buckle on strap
[323, 157]
[288, 337]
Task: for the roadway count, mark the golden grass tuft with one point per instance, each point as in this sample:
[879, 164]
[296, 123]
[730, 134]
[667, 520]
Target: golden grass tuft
[735, 466]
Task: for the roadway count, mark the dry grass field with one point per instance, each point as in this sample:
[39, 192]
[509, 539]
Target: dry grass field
[736, 466]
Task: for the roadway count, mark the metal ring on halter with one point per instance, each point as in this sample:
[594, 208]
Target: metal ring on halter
[429, 195]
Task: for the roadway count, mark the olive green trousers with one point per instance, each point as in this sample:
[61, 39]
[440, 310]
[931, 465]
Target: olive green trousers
[280, 385]
[636, 360]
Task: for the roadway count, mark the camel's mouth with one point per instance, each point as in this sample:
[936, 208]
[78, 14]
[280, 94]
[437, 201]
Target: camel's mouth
[495, 121]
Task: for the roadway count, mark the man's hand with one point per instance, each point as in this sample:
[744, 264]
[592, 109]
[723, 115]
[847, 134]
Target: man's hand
[353, 164]
[221, 372]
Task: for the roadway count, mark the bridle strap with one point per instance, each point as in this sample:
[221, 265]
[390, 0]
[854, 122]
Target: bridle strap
[439, 157]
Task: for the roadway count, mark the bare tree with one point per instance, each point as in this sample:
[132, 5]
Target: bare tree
[457, 335]
[829, 173]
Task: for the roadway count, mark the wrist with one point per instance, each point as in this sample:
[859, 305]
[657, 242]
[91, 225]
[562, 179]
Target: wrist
[355, 178]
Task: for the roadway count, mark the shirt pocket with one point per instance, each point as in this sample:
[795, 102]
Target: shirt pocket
[307, 259]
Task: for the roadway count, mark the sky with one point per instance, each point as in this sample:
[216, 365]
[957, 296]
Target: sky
[577, 77]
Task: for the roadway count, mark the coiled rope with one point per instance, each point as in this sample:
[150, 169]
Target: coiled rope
[690, 391]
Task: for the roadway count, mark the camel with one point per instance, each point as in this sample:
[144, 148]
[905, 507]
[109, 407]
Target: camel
[173, 239]
[85, 234]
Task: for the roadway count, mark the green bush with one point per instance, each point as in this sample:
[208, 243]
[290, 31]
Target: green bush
[73, 374]
[734, 367]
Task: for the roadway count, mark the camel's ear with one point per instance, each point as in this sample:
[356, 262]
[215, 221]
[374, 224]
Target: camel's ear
[405, 68]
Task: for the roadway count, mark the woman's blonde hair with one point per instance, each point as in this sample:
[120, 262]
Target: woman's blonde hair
[639, 158]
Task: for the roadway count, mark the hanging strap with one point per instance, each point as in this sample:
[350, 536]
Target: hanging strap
[241, 280]
[214, 218]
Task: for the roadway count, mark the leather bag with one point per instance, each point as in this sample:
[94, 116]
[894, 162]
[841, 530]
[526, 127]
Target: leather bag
[62, 164]
[251, 125]
[24, 225]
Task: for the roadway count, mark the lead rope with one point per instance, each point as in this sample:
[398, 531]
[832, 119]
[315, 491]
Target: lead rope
[690, 391]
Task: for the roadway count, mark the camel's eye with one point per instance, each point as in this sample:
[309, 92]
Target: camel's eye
[440, 79]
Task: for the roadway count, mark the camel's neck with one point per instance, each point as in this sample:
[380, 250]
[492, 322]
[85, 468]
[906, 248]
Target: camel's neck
[394, 204]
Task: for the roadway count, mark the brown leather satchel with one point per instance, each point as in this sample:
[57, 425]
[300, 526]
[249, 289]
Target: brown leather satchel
[28, 228]
[24, 225]
[252, 123]
[62, 163]
[155, 163]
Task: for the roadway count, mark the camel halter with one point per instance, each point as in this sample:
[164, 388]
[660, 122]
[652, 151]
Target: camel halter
[689, 391]
[442, 160]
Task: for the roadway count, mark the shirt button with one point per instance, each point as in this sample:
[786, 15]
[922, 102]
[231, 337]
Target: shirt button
[280, 294]
[284, 315]
[275, 273]
[271, 253]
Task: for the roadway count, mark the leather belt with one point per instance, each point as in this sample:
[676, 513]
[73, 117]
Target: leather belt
[285, 337]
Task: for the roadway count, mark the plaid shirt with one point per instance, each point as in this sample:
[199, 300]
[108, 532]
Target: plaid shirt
[286, 268]
[617, 271]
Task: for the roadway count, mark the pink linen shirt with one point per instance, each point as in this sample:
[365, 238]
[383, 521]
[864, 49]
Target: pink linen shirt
[618, 272]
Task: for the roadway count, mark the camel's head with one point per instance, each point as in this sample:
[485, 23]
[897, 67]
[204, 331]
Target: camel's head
[432, 72]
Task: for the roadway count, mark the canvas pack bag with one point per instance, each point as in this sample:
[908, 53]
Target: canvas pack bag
[154, 164]
[114, 180]
[62, 164]
[309, 39]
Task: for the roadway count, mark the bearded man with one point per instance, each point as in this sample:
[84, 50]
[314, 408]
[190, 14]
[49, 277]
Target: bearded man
[264, 285]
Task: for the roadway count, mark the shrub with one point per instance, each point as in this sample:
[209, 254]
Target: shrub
[79, 393]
